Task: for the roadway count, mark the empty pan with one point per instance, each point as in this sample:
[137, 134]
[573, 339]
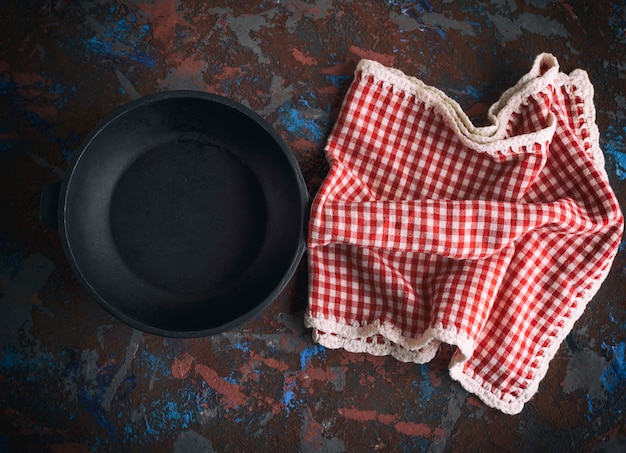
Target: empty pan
[184, 214]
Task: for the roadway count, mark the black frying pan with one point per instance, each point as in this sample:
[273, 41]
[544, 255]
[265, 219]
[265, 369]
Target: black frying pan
[184, 214]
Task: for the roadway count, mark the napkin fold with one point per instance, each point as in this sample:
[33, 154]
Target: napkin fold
[428, 229]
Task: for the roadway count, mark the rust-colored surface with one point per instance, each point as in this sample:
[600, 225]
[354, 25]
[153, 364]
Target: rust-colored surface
[74, 379]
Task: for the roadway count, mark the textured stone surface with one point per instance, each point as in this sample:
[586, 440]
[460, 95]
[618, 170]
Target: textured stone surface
[74, 379]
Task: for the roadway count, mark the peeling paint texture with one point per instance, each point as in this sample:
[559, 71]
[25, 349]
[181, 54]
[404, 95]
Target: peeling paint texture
[75, 379]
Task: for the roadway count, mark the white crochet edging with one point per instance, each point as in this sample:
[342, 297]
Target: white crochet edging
[424, 355]
[507, 403]
[489, 139]
[583, 88]
[351, 336]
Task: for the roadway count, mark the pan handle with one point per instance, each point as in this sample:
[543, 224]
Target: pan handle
[49, 205]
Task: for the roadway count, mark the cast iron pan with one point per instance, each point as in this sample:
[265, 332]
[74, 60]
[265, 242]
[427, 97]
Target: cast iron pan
[184, 214]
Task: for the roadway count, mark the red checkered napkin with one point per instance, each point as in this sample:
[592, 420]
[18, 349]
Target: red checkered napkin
[492, 239]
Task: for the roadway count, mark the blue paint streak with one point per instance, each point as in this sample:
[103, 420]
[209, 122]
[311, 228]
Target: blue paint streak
[309, 352]
[477, 27]
[298, 123]
[427, 6]
[13, 359]
[92, 404]
[156, 364]
[172, 411]
[242, 346]
[149, 430]
[288, 397]
[415, 444]
[123, 39]
[619, 159]
[10, 359]
[614, 375]
[109, 48]
[615, 148]
[59, 90]
[338, 80]
[590, 407]
[473, 92]
[426, 386]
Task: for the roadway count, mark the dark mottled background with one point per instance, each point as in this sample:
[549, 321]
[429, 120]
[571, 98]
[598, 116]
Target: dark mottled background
[74, 379]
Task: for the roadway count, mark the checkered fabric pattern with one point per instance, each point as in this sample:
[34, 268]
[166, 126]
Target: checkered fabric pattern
[428, 229]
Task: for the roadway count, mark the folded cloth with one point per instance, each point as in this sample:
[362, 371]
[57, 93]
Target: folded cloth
[429, 229]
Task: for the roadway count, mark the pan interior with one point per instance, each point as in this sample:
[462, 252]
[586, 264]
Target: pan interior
[188, 217]
[184, 215]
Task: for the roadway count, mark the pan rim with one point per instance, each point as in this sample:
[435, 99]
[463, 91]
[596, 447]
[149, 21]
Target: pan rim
[126, 109]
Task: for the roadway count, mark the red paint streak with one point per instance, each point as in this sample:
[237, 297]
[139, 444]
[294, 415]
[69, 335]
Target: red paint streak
[48, 111]
[473, 401]
[312, 432]
[569, 9]
[32, 86]
[377, 361]
[387, 60]
[406, 428]
[284, 343]
[418, 430]
[339, 69]
[358, 415]
[189, 67]
[365, 416]
[303, 58]
[228, 72]
[181, 366]
[27, 78]
[275, 407]
[386, 419]
[435, 377]
[303, 144]
[165, 18]
[231, 393]
[348, 358]
[188, 70]
[330, 89]
[27, 426]
[477, 109]
[269, 361]
[321, 374]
